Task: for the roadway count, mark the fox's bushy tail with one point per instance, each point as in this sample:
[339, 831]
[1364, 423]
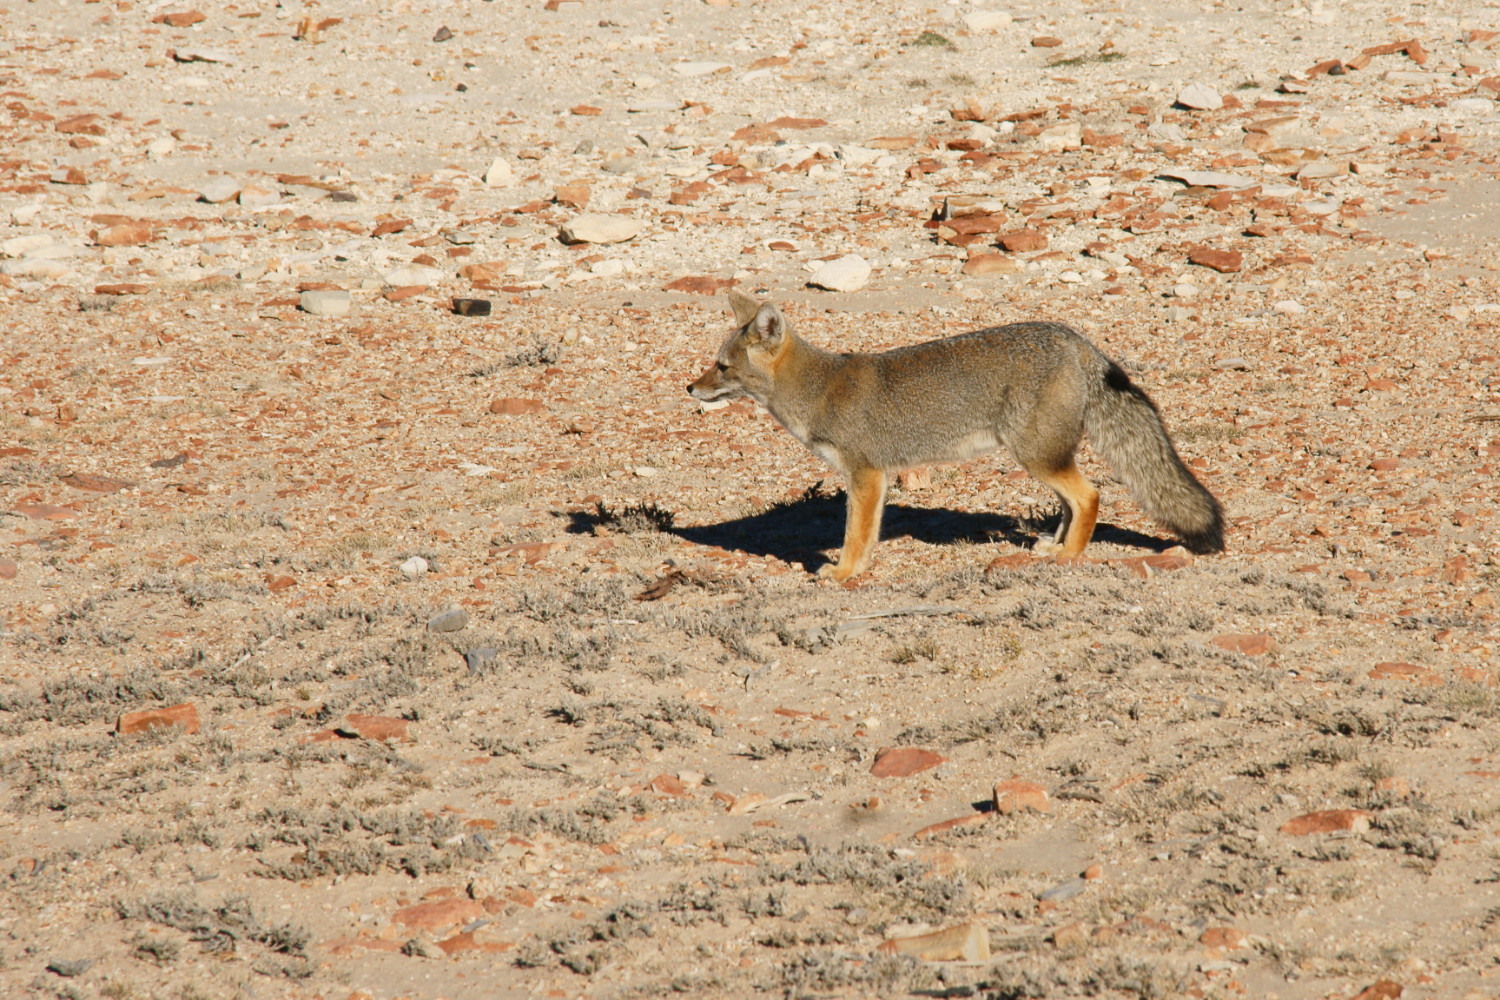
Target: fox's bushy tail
[1125, 427]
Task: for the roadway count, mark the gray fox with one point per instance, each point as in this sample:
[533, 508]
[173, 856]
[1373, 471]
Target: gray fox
[1034, 387]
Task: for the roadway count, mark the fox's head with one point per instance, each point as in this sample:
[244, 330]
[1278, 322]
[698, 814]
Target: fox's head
[746, 363]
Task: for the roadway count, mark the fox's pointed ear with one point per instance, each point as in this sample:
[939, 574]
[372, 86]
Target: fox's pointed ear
[768, 327]
[743, 305]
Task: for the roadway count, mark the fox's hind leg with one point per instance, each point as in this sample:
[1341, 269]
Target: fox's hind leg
[1080, 510]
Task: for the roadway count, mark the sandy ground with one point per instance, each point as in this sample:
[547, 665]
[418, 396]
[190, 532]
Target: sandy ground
[478, 660]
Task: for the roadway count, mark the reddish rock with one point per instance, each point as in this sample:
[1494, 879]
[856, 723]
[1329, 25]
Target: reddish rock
[1381, 989]
[404, 292]
[1223, 261]
[81, 125]
[1224, 938]
[1166, 563]
[44, 511]
[1466, 675]
[699, 285]
[1018, 796]
[1024, 241]
[125, 234]
[666, 784]
[465, 942]
[277, 582]
[122, 288]
[1093, 872]
[390, 226]
[95, 483]
[439, 914]
[1385, 465]
[1045, 42]
[575, 195]
[969, 942]
[1016, 560]
[511, 406]
[7, 569]
[377, 727]
[180, 19]
[1327, 821]
[1396, 786]
[900, 762]
[943, 826]
[1405, 672]
[989, 263]
[1254, 644]
[184, 715]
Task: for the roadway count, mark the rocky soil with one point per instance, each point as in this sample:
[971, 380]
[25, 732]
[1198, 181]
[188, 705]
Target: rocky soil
[380, 618]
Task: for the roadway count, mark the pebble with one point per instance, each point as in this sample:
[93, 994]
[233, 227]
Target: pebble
[1020, 796]
[1317, 169]
[1232, 365]
[35, 268]
[412, 275]
[849, 273]
[597, 228]
[219, 190]
[1210, 178]
[901, 762]
[253, 196]
[1288, 307]
[499, 174]
[482, 659]
[1200, 97]
[700, 68]
[981, 21]
[70, 967]
[452, 620]
[22, 246]
[1327, 821]
[184, 715]
[325, 302]
[414, 567]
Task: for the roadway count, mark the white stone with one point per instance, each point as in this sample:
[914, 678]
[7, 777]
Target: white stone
[1315, 169]
[34, 268]
[219, 190]
[849, 273]
[1209, 178]
[1184, 290]
[1166, 132]
[1287, 307]
[499, 174]
[52, 251]
[20, 246]
[160, 147]
[1473, 106]
[607, 268]
[413, 274]
[253, 197]
[1322, 206]
[414, 567]
[325, 302]
[1200, 97]
[1066, 135]
[592, 227]
[24, 215]
[981, 21]
[703, 68]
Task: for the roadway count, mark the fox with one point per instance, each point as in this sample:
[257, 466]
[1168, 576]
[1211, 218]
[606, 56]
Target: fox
[1034, 387]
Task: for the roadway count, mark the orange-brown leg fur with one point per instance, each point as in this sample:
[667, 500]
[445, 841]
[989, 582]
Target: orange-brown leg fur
[1080, 510]
[862, 524]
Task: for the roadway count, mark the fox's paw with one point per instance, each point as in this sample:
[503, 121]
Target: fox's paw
[1047, 547]
[836, 572]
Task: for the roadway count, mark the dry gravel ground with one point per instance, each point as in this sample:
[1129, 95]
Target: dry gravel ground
[645, 763]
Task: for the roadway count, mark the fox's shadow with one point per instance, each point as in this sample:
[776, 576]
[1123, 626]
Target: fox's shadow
[804, 529]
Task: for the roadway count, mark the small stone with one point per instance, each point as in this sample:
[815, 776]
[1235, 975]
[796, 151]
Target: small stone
[414, 567]
[7, 569]
[1232, 365]
[161, 147]
[1018, 796]
[180, 19]
[482, 659]
[442, 34]
[943, 826]
[1023, 241]
[1045, 42]
[904, 761]
[471, 307]
[700, 68]
[982, 21]
[1288, 307]
[70, 967]
[452, 620]
[699, 285]
[277, 582]
[1200, 97]
[1256, 644]
[596, 228]
[1223, 938]
[1327, 821]
[377, 727]
[1388, 989]
[574, 195]
[1093, 872]
[439, 914]
[325, 302]
[1065, 135]
[984, 264]
[124, 234]
[511, 406]
[967, 942]
[412, 274]
[848, 273]
[253, 196]
[1405, 672]
[21, 246]
[1223, 261]
[499, 174]
[184, 715]
[1318, 169]
[80, 125]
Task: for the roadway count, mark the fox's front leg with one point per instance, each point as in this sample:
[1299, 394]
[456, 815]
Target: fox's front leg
[861, 525]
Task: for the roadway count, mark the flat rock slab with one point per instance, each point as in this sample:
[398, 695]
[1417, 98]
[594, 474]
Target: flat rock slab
[325, 302]
[593, 227]
[849, 273]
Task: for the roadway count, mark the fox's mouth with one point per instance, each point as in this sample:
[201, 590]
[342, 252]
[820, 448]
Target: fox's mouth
[718, 392]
